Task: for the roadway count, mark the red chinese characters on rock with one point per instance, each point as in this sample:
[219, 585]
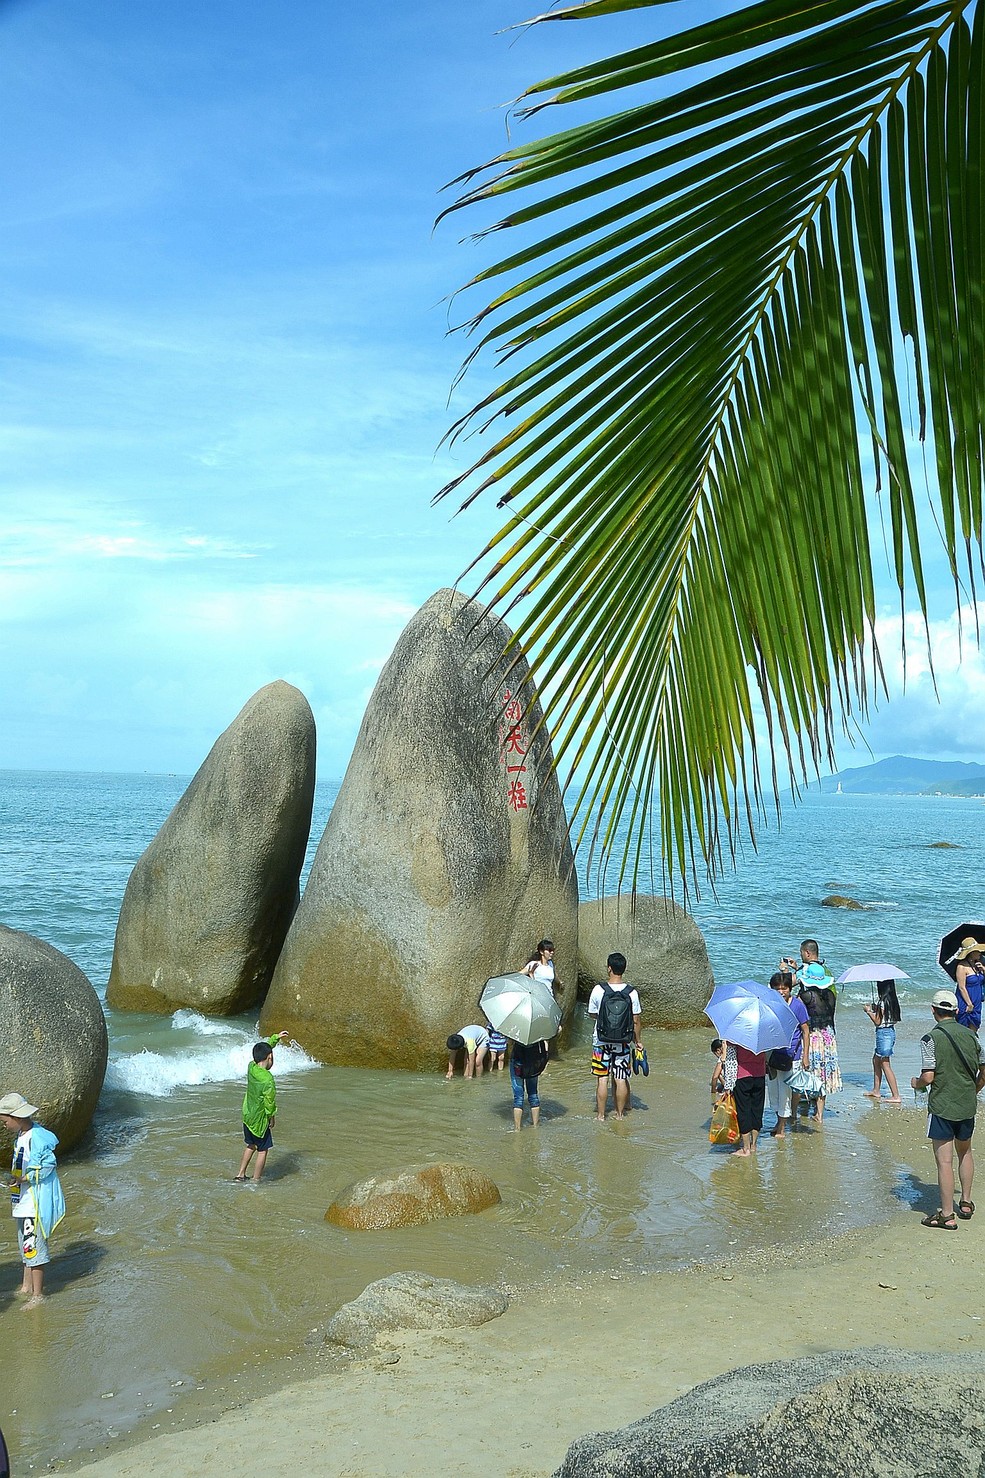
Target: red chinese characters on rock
[513, 751]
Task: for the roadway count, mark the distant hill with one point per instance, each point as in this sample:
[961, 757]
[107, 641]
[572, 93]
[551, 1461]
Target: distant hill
[959, 787]
[903, 775]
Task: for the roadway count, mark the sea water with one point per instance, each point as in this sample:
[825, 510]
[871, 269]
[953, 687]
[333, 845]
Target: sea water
[168, 1278]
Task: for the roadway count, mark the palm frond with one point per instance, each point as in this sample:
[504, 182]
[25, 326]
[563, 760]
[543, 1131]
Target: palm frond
[760, 288]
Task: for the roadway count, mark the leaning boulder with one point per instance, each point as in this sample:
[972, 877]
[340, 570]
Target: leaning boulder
[413, 1301]
[445, 858]
[411, 1197]
[52, 1034]
[209, 903]
[880, 1412]
[838, 900]
[668, 960]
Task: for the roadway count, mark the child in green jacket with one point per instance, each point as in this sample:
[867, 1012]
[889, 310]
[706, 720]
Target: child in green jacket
[259, 1107]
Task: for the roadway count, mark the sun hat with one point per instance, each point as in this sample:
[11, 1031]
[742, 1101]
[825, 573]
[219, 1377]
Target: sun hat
[968, 947]
[944, 1000]
[17, 1106]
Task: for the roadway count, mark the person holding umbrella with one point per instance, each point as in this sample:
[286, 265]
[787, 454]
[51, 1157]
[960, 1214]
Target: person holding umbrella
[753, 1019]
[525, 1011]
[960, 954]
[527, 1062]
[750, 1097]
[969, 980]
[885, 1015]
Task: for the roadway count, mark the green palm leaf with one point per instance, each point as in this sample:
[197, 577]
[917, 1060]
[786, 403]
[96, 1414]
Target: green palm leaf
[739, 306]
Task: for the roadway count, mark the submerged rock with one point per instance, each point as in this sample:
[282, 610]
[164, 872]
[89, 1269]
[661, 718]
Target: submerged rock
[838, 900]
[52, 1035]
[209, 903]
[419, 1194]
[879, 1412]
[445, 858]
[413, 1301]
[666, 953]
[944, 846]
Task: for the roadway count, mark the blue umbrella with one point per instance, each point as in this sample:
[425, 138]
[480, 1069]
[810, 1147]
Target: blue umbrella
[751, 1015]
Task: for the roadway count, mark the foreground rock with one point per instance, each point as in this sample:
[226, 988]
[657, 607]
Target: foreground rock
[209, 903]
[445, 858]
[838, 900]
[422, 1193]
[413, 1301]
[52, 1034]
[878, 1412]
[668, 960]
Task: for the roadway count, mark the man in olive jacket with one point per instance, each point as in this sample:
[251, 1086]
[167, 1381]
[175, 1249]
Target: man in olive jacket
[952, 1064]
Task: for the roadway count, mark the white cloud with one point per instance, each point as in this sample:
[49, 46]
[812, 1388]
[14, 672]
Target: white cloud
[71, 539]
[917, 719]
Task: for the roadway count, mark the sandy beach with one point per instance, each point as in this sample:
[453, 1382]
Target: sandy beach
[582, 1355]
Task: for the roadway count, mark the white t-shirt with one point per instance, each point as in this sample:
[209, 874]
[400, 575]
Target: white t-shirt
[542, 970]
[22, 1153]
[595, 1002]
[475, 1037]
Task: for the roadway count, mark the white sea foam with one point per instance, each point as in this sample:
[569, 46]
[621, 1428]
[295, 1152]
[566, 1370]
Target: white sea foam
[204, 1026]
[160, 1074]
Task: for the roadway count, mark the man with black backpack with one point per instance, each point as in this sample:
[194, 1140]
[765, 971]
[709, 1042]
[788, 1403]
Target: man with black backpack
[616, 1009]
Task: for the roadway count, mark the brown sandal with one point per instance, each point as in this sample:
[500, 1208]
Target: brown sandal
[966, 1210]
[940, 1221]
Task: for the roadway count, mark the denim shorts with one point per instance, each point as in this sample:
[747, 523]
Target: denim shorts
[885, 1041]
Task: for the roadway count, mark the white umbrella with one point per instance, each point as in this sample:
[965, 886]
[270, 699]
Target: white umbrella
[520, 1007]
[878, 971]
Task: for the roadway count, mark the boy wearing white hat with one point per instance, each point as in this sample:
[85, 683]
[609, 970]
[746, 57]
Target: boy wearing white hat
[36, 1196]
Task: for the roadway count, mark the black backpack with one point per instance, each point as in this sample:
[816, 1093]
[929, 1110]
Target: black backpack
[615, 1018]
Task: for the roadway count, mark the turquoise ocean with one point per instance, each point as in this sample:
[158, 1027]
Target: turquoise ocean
[171, 1286]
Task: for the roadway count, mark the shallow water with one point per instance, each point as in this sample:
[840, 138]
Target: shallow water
[166, 1272]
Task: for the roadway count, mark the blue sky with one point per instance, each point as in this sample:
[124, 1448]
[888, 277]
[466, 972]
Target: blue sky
[224, 364]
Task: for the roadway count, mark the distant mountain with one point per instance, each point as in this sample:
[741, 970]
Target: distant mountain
[958, 787]
[903, 775]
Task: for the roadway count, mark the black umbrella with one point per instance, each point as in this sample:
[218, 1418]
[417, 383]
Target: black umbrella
[951, 943]
[4, 1460]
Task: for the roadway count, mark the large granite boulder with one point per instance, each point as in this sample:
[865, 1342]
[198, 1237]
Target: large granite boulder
[413, 1301]
[879, 1412]
[209, 902]
[413, 1196]
[668, 961]
[52, 1035]
[445, 858]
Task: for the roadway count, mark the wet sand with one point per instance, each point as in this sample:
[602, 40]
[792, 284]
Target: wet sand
[575, 1353]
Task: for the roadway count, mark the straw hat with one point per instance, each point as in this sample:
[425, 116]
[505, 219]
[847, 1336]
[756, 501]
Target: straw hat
[17, 1106]
[968, 947]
